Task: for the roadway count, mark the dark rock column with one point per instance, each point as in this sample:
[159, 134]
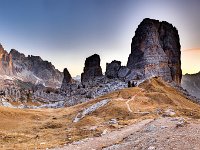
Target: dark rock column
[92, 68]
[67, 80]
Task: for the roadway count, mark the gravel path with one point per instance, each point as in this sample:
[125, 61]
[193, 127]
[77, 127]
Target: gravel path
[108, 139]
[163, 134]
[160, 134]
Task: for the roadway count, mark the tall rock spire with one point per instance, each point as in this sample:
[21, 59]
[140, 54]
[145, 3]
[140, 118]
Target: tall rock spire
[155, 51]
[92, 68]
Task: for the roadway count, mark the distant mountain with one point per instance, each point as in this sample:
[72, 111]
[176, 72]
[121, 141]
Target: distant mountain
[77, 78]
[30, 69]
[191, 82]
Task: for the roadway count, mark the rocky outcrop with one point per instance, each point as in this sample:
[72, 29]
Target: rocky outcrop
[112, 69]
[191, 82]
[67, 79]
[155, 51]
[123, 72]
[92, 68]
[29, 69]
[36, 70]
[6, 64]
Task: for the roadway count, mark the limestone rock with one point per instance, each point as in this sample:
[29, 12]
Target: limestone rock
[35, 70]
[67, 79]
[6, 64]
[112, 69]
[123, 72]
[92, 68]
[191, 82]
[155, 51]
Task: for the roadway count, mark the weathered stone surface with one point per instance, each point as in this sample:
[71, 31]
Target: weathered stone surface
[67, 79]
[92, 68]
[29, 69]
[112, 69]
[133, 75]
[6, 64]
[155, 51]
[191, 82]
[123, 72]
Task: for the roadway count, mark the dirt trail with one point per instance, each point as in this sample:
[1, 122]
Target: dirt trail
[132, 99]
[163, 134]
[106, 140]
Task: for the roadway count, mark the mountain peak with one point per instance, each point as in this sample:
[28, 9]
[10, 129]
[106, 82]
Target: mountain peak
[155, 51]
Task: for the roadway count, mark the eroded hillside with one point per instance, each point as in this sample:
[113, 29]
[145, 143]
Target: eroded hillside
[48, 128]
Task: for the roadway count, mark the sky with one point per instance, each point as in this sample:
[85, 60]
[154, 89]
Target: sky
[65, 32]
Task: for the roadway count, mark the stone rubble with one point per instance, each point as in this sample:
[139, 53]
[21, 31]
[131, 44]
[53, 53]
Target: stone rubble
[90, 109]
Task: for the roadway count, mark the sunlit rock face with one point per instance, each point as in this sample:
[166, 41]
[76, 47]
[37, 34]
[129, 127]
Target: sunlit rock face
[34, 69]
[6, 64]
[92, 68]
[155, 51]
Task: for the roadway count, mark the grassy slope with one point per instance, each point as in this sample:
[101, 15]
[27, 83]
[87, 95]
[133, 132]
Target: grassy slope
[44, 128]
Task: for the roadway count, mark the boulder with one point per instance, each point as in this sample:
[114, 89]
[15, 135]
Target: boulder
[123, 72]
[155, 51]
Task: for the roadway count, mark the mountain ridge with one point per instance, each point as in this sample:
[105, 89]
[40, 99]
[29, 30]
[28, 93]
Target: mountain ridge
[29, 68]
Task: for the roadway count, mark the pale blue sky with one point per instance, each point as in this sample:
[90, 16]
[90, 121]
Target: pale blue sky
[65, 32]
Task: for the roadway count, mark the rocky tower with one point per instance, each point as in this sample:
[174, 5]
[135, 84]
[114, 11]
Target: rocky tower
[112, 69]
[6, 64]
[92, 68]
[155, 51]
[66, 80]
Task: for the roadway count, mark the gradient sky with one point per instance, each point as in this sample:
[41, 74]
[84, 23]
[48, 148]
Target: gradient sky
[65, 32]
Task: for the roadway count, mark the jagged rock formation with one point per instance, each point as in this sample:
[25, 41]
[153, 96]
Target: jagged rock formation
[112, 69]
[92, 68]
[155, 51]
[191, 82]
[6, 65]
[29, 69]
[33, 68]
[66, 80]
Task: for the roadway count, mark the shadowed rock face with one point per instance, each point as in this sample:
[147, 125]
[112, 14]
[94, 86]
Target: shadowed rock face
[92, 68]
[112, 69]
[66, 80]
[155, 51]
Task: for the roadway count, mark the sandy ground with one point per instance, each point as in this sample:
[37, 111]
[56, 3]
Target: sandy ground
[160, 134]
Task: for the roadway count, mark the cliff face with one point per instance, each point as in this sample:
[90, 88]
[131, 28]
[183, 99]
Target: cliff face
[191, 82]
[6, 65]
[155, 51]
[30, 69]
[92, 68]
[36, 70]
